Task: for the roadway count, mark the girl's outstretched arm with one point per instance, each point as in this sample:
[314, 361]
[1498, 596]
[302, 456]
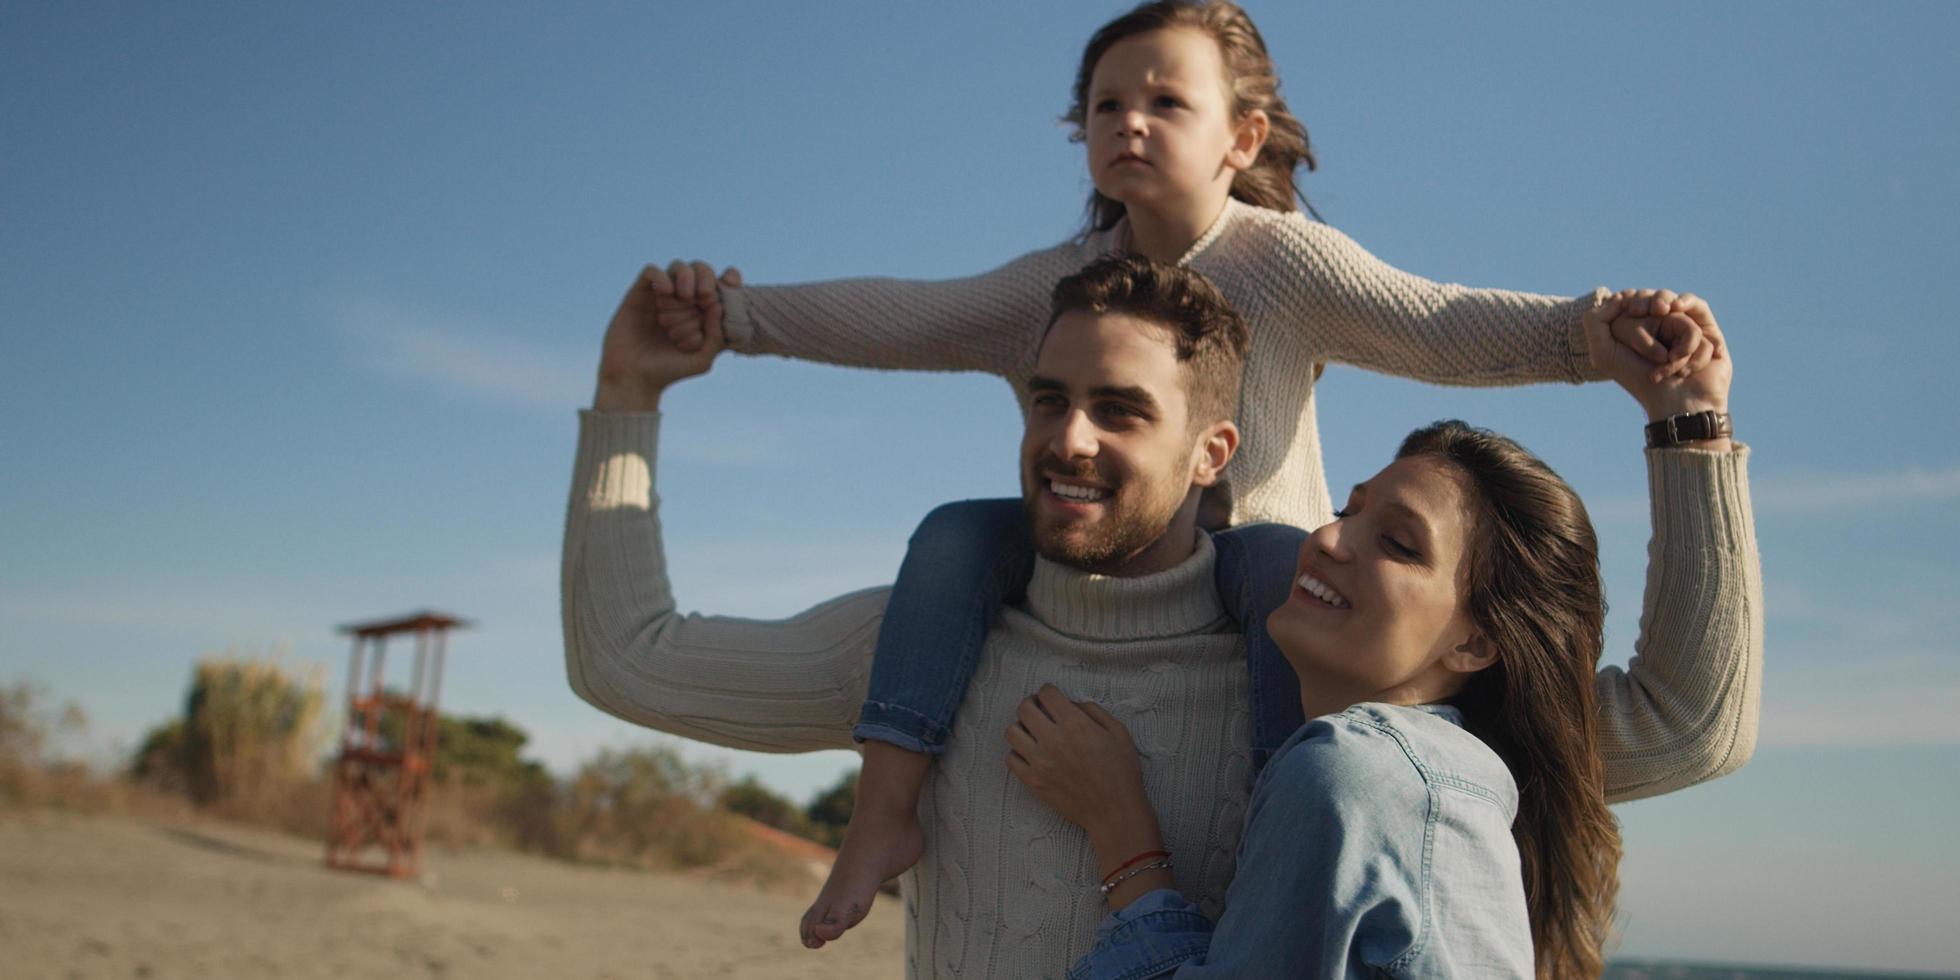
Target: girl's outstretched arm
[988, 322]
[1346, 305]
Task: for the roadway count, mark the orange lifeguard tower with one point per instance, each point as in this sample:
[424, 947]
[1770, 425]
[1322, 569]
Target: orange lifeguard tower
[381, 777]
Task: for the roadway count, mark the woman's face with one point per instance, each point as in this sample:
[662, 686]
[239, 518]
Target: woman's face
[1378, 610]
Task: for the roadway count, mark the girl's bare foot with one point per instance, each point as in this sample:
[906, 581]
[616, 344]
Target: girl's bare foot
[882, 840]
[876, 849]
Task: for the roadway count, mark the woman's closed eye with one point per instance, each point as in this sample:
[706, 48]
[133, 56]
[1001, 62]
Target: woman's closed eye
[1395, 548]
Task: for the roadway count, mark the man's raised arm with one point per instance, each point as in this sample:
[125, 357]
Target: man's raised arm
[789, 685]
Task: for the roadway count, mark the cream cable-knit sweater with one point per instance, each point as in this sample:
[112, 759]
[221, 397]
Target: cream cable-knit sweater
[1005, 889]
[1309, 294]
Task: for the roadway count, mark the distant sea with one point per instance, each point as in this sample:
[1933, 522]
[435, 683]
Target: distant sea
[1623, 969]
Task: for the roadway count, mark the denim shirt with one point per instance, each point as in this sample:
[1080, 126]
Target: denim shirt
[1378, 843]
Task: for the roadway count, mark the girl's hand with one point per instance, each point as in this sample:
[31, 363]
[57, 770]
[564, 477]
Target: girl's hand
[1081, 762]
[683, 298]
[1706, 387]
[638, 358]
[1665, 329]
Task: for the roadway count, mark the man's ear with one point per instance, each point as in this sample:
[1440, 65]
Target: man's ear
[1248, 138]
[1472, 655]
[1214, 450]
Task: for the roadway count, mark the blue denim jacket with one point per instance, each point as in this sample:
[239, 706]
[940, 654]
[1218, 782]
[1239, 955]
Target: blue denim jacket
[1378, 843]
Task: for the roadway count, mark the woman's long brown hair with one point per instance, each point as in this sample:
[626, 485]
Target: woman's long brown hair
[1269, 182]
[1535, 595]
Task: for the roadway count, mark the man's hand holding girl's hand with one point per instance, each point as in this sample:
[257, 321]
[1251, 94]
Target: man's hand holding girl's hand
[1664, 328]
[1706, 387]
[647, 344]
[684, 295]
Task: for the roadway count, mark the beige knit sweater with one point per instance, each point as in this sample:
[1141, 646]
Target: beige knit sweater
[1007, 890]
[1309, 294]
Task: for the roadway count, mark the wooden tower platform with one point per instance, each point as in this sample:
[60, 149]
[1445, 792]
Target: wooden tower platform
[387, 751]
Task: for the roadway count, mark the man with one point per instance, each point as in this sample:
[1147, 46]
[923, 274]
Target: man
[1128, 419]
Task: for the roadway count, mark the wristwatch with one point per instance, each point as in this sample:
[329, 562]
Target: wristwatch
[1689, 427]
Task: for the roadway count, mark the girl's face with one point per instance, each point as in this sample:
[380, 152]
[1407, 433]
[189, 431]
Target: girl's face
[1378, 610]
[1161, 134]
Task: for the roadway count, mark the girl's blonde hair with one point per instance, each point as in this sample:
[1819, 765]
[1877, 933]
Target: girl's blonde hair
[1254, 83]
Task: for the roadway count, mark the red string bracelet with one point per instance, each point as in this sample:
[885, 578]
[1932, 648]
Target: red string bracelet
[1141, 857]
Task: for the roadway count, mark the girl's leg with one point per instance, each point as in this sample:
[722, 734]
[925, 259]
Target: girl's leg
[1256, 568]
[963, 562]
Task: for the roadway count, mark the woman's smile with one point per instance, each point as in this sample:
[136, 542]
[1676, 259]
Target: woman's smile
[1320, 593]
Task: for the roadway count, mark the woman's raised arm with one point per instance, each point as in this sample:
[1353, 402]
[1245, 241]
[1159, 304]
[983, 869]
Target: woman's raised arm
[1686, 707]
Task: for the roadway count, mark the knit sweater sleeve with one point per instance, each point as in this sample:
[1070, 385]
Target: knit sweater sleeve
[1686, 707]
[988, 322]
[791, 685]
[1350, 307]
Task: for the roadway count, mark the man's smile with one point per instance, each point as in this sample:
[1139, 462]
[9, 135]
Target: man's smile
[1077, 492]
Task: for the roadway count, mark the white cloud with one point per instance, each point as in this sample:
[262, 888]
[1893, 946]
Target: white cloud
[474, 360]
[279, 603]
[1846, 715]
[1861, 664]
[256, 610]
[468, 358]
[1818, 493]
[1814, 493]
[1909, 611]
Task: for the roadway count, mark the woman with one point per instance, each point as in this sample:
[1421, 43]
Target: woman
[1443, 813]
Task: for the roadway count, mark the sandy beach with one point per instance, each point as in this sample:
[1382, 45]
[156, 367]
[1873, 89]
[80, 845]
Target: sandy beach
[87, 897]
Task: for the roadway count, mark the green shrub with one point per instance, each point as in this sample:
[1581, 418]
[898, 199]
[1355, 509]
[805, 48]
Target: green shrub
[647, 806]
[751, 799]
[27, 772]
[830, 812]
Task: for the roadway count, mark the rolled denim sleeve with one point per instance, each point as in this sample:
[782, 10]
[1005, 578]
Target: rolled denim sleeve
[1150, 937]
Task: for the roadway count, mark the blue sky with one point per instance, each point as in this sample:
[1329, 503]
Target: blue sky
[297, 304]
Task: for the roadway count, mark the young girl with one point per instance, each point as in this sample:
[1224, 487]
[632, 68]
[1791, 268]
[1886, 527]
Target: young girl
[1192, 153]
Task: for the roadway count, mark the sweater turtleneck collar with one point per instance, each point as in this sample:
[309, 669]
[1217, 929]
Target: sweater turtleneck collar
[1175, 602]
[1122, 240]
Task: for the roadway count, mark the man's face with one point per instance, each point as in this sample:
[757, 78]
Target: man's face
[1108, 458]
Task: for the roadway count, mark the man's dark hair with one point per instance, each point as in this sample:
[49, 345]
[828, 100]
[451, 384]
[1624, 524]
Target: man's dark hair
[1210, 338]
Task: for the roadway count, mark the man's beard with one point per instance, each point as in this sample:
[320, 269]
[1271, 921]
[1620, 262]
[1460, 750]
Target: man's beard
[1128, 526]
[1111, 542]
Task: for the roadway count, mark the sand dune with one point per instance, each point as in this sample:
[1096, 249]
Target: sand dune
[87, 897]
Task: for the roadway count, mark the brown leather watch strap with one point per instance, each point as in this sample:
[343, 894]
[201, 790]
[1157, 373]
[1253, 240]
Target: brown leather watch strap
[1689, 427]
